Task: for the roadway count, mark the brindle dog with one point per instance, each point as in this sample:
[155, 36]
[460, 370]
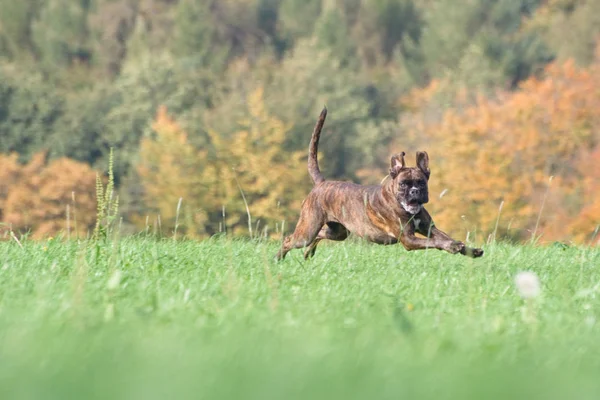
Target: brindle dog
[386, 214]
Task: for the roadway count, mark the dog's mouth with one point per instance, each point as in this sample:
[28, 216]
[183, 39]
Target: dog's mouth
[412, 206]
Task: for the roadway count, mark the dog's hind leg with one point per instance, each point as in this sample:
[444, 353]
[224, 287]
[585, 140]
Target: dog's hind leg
[310, 250]
[306, 232]
[331, 231]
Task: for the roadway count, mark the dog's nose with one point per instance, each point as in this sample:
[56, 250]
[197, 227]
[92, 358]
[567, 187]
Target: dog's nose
[414, 191]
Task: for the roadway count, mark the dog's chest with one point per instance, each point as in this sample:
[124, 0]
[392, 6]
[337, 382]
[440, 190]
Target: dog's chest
[382, 229]
[417, 224]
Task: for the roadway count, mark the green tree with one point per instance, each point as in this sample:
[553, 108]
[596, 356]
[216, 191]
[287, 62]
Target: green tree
[81, 131]
[333, 33]
[298, 18]
[29, 112]
[117, 115]
[490, 29]
[303, 83]
[111, 24]
[268, 17]
[569, 27]
[383, 26]
[296, 90]
[60, 33]
[15, 28]
[195, 35]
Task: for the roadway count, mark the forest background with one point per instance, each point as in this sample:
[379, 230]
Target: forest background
[203, 100]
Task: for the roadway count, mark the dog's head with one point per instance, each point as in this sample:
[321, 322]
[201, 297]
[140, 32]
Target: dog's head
[410, 184]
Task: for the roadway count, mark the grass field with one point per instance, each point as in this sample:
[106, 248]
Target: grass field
[148, 319]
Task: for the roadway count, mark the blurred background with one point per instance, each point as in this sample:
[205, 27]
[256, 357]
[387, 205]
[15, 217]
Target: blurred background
[203, 100]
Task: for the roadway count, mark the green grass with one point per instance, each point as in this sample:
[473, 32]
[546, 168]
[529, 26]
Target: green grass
[218, 319]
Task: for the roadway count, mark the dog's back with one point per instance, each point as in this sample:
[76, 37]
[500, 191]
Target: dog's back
[347, 203]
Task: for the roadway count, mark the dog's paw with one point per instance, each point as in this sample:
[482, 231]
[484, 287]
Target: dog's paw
[457, 247]
[477, 253]
[473, 253]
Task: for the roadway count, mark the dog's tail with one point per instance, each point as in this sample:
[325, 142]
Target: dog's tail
[313, 163]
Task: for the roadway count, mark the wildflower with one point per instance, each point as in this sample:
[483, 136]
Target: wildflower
[528, 284]
[114, 280]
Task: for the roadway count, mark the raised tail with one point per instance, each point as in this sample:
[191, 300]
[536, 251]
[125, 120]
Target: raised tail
[313, 163]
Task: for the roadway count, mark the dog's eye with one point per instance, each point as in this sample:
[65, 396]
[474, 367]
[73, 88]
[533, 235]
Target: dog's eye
[421, 183]
[403, 184]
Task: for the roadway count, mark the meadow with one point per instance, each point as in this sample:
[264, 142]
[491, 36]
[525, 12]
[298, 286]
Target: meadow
[141, 318]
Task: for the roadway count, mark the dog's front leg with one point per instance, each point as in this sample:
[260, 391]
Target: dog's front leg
[437, 240]
[451, 245]
[412, 242]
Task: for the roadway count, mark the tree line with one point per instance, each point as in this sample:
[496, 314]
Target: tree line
[212, 102]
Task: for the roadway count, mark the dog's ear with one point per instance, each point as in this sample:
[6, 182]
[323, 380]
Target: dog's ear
[397, 163]
[423, 163]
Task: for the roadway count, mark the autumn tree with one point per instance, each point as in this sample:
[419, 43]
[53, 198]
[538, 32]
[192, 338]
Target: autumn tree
[46, 198]
[247, 168]
[9, 174]
[505, 151]
[169, 169]
[254, 168]
[78, 77]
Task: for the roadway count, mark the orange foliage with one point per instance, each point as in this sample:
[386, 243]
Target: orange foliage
[9, 173]
[34, 197]
[507, 150]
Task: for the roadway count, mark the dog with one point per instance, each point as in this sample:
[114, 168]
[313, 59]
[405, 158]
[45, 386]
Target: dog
[385, 214]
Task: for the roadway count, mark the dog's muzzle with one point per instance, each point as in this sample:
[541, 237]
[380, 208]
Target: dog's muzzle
[411, 208]
[413, 201]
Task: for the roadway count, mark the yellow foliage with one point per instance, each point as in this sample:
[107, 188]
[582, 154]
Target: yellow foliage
[252, 160]
[506, 150]
[168, 170]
